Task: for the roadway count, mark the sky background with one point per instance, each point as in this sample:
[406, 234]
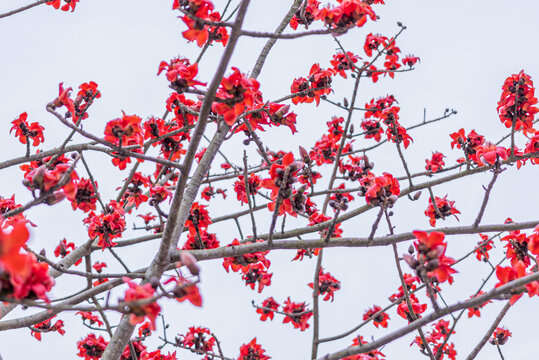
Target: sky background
[467, 49]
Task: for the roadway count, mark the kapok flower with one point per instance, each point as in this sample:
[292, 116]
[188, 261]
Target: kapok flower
[517, 102]
[91, 347]
[431, 260]
[140, 312]
[297, 314]
[490, 153]
[252, 351]
[266, 313]
[25, 131]
[445, 208]
[500, 336]
[47, 326]
[198, 338]
[69, 4]
[125, 129]
[377, 319]
[180, 73]
[327, 285]
[236, 94]
[436, 162]
[383, 188]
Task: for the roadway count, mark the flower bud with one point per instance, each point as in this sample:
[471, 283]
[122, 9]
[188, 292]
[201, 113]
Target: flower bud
[190, 262]
[411, 261]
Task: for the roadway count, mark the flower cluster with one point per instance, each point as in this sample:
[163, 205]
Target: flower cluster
[236, 94]
[436, 162]
[198, 14]
[379, 317]
[47, 326]
[436, 339]
[180, 73]
[106, 226]
[371, 355]
[431, 261]
[382, 112]
[197, 338]
[517, 102]
[252, 351]
[316, 85]
[69, 4]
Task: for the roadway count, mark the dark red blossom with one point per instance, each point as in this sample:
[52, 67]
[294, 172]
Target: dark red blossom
[483, 247]
[180, 73]
[239, 187]
[243, 262]
[91, 318]
[125, 129]
[431, 260]
[86, 197]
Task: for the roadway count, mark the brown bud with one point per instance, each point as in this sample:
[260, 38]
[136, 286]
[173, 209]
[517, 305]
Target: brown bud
[345, 102]
[417, 195]
[190, 261]
[411, 249]
[433, 264]
[411, 261]
[37, 179]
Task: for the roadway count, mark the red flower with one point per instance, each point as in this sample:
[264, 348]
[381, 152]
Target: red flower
[252, 351]
[436, 162]
[371, 355]
[517, 247]
[36, 284]
[25, 131]
[481, 251]
[91, 348]
[522, 109]
[500, 336]
[44, 179]
[379, 319]
[63, 248]
[445, 209]
[510, 273]
[298, 314]
[410, 60]
[311, 8]
[239, 187]
[11, 242]
[257, 274]
[140, 312]
[490, 153]
[382, 187]
[200, 241]
[347, 14]
[107, 226]
[243, 262]
[269, 303]
[342, 62]
[126, 130]
[47, 326]
[91, 318]
[199, 218]
[198, 338]
[85, 198]
[475, 311]
[372, 42]
[180, 73]
[69, 4]
[327, 285]
[186, 290]
[431, 256]
[417, 308]
[237, 93]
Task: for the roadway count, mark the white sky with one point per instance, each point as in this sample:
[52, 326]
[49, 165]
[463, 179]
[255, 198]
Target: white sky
[467, 49]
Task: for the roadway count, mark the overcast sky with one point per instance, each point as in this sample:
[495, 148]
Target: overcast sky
[467, 49]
